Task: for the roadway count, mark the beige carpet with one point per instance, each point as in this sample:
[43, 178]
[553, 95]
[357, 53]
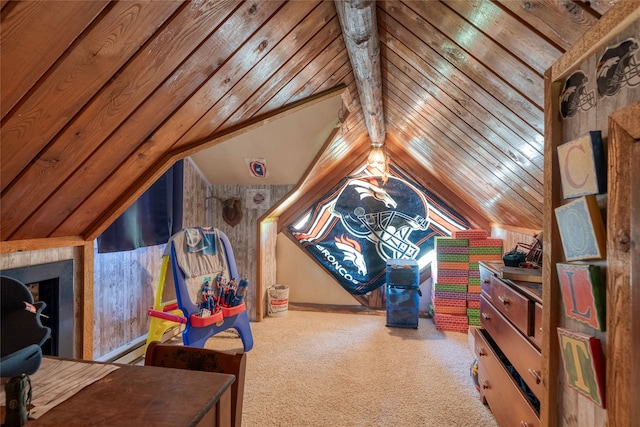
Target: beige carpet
[327, 369]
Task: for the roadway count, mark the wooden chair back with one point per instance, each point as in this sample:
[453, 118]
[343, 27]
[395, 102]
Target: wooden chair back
[202, 359]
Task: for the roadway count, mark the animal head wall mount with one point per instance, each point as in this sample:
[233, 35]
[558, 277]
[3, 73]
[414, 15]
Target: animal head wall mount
[231, 209]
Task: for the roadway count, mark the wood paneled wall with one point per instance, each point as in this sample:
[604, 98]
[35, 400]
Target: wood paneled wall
[244, 236]
[513, 237]
[125, 282]
[562, 405]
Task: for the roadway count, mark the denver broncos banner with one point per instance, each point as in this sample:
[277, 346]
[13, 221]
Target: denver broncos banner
[362, 223]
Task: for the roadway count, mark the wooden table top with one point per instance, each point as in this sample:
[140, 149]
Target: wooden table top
[141, 396]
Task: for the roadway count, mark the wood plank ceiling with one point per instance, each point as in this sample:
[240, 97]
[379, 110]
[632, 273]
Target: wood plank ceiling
[98, 98]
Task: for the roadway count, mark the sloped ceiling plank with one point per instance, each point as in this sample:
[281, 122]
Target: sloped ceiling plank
[277, 44]
[360, 32]
[599, 6]
[133, 166]
[31, 58]
[293, 90]
[467, 175]
[186, 88]
[188, 30]
[416, 170]
[474, 49]
[71, 83]
[482, 197]
[493, 132]
[466, 99]
[471, 148]
[522, 42]
[336, 72]
[88, 129]
[425, 41]
[561, 21]
[273, 85]
[461, 153]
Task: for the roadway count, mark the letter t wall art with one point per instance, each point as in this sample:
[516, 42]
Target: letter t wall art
[583, 364]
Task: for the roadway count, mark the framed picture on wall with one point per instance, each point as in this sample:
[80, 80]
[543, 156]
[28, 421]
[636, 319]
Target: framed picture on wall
[582, 229]
[583, 293]
[582, 166]
[583, 362]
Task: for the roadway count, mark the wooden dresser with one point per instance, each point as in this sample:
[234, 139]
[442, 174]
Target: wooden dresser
[508, 347]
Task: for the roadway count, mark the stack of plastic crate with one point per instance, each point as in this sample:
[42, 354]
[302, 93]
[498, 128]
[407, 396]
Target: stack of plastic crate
[481, 248]
[449, 296]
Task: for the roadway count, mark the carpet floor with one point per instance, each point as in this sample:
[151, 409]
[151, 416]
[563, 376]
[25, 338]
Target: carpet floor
[332, 370]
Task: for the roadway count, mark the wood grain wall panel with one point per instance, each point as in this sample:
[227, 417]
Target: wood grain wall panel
[512, 238]
[125, 282]
[480, 52]
[575, 409]
[271, 47]
[150, 148]
[524, 149]
[621, 295]
[34, 52]
[267, 267]
[407, 22]
[114, 105]
[477, 145]
[244, 236]
[520, 40]
[66, 90]
[552, 19]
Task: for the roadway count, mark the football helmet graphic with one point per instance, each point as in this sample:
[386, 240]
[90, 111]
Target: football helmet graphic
[617, 67]
[575, 96]
[368, 211]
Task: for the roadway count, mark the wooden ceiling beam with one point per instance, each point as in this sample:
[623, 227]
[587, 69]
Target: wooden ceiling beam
[360, 32]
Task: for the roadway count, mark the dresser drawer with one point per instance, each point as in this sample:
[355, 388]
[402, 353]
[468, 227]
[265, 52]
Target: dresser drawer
[515, 306]
[515, 346]
[507, 402]
[537, 325]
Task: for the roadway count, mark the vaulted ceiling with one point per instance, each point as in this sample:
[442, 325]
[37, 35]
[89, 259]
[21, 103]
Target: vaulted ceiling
[99, 98]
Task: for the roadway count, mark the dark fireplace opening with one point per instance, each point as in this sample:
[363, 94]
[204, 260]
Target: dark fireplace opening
[47, 291]
[52, 283]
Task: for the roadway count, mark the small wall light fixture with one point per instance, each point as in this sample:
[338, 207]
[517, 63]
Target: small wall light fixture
[379, 158]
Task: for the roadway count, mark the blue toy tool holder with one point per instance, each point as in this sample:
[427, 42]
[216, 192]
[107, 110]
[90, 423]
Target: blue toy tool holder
[183, 310]
[197, 336]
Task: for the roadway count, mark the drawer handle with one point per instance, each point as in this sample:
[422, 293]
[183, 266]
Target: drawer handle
[503, 299]
[485, 386]
[485, 316]
[535, 374]
[524, 424]
[480, 352]
[486, 281]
